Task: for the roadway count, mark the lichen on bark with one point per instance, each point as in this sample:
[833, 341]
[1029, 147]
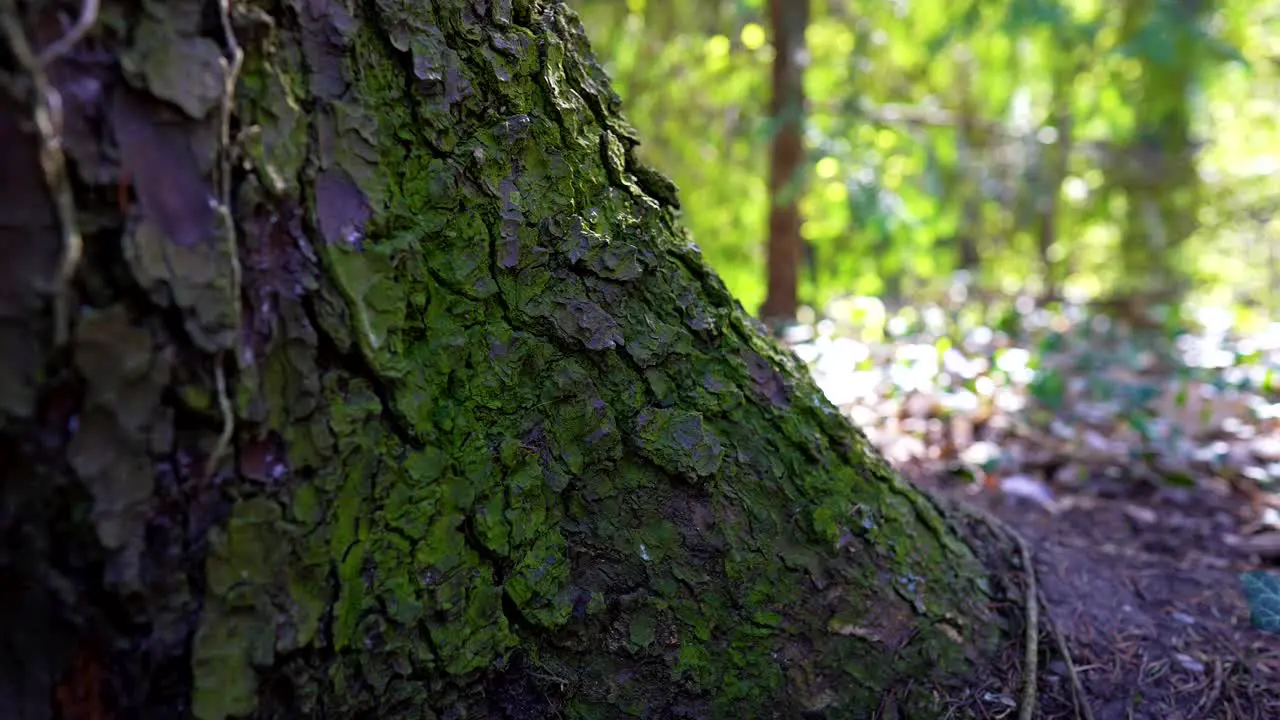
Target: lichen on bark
[504, 444]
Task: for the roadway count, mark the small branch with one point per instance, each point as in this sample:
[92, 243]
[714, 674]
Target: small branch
[84, 23]
[1031, 636]
[1033, 599]
[1031, 660]
[231, 77]
[228, 419]
[47, 115]
[1078, 700]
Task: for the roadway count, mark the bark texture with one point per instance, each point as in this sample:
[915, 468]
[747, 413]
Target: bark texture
[392, 387]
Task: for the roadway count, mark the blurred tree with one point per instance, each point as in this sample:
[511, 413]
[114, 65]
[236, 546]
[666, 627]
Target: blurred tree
[1158, 173]
[1068, 147]
[1054, 164]
[970, 141]
[787, 165]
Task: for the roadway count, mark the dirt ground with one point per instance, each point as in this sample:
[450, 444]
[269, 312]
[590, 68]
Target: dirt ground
[1141, 469]
[1142, 583]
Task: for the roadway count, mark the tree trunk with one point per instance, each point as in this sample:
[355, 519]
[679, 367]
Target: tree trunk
[398, 391]
[971, 154]
[789, 18]
[1053, 166]
[1160, 182]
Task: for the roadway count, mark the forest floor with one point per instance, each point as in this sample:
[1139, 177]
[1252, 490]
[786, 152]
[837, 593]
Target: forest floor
[1142, 470]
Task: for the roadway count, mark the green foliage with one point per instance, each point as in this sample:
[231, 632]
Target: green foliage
[936, 137]
[1262, 591]
[1048, 389]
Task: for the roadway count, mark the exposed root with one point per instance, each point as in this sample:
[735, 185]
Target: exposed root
[1030, 669]
[231, 76]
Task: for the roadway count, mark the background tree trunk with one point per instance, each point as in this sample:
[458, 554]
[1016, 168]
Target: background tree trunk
[788, 18]
[396, 390]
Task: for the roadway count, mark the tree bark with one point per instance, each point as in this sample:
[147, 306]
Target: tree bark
[389, 385]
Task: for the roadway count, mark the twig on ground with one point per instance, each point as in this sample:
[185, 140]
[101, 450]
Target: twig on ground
[1215, 691]
[1078, 700]
[1032, 601]
[1028, 709]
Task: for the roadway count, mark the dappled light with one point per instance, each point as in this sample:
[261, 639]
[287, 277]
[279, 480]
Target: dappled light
[1156, 404]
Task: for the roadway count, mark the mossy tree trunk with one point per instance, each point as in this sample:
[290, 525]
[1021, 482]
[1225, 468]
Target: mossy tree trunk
[390, 386]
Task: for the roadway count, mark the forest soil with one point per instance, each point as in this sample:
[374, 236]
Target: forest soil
[1143, 584]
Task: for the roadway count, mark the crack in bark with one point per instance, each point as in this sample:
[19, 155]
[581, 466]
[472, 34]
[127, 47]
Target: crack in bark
[354, 363]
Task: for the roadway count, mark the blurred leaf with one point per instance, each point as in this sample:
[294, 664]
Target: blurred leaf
[1049, 389]
[1262, 591]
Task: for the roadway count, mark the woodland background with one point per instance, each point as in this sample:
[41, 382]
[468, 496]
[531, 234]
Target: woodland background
[1008, 144]
[1038, 250]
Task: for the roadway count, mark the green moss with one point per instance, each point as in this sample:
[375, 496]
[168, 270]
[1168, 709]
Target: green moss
[197, 399]
[225, 682]
[642, 628]
[251, 613]
[375, 300]
[537, 584]
[679, 442]
[268, 91]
